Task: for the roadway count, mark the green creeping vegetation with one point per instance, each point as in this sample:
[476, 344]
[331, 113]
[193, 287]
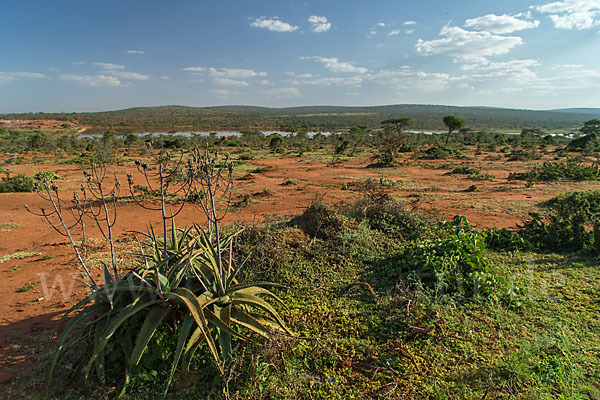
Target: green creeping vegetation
[27, 287]
[453, 263]
[557, 170]
[405, 308]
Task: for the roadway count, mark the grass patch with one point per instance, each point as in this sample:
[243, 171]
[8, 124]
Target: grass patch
[7, 227]
[19, 256]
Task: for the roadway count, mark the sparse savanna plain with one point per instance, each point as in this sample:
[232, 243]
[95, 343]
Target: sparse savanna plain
[367, 262]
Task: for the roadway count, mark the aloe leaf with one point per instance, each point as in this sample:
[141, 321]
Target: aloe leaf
[222, 325]
[192, 344]
[184, 332]
[249, 299]
[223, 335]
[123, 315]
[255, 290]
[196, 309]
[153, 320]
[247, 321]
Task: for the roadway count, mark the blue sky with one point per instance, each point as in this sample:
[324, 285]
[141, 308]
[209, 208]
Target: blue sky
[90, 55]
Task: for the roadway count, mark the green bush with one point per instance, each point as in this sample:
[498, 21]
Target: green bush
[463, 171]
[392, 218]
[587, 141]
[441, 152]
[505, 240]
[453, 263]
[320, 220]
[17, 183]
[473, 173]
[572, 223]
[556, 170]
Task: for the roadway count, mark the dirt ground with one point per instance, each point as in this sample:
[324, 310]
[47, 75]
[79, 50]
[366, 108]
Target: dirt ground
[40, 259]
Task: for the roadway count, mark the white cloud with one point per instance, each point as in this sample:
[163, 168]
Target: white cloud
[394, 32]
[165, 77]
[334, 65]
[282, 92]
[234, 73]
[135, 52]
[299, 75]
[108, 66]
[129, 75]
[221, 92]
[194, 69]
[467, 45]
[512, 73]
[355, 81]
[404, 79]
[263, 82]
[409, 31]
[500, 24]
[511, 66]
[111, 75]
[319, 24]
[573, 14]
[228, 76]
[7, 77]
[229, 82]
[381, 24]
[565, 82]
[273, 24]
[93, 80]
[409, 23]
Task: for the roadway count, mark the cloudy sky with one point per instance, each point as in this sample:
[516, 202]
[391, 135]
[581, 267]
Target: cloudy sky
[75, 55]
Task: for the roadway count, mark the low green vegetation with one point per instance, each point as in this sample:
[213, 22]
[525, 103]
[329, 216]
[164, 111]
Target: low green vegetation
[17, 183]
[472, 173]
[27, 287]
[381, 302]
[557, 170]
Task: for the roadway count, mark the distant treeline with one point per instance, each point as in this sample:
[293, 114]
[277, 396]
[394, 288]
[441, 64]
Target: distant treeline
[315, 118]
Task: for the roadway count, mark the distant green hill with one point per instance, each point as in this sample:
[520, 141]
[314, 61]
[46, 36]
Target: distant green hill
[426, 117]
[591, 111]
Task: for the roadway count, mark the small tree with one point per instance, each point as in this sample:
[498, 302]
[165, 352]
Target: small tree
[392, 139]
[399, 123]
[453, 123]
[590, 127]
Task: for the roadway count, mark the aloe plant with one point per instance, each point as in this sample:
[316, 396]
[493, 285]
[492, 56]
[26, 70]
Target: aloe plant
[181, 283]
[187, 286]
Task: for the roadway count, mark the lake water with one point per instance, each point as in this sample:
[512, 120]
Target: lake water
[203, 133]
